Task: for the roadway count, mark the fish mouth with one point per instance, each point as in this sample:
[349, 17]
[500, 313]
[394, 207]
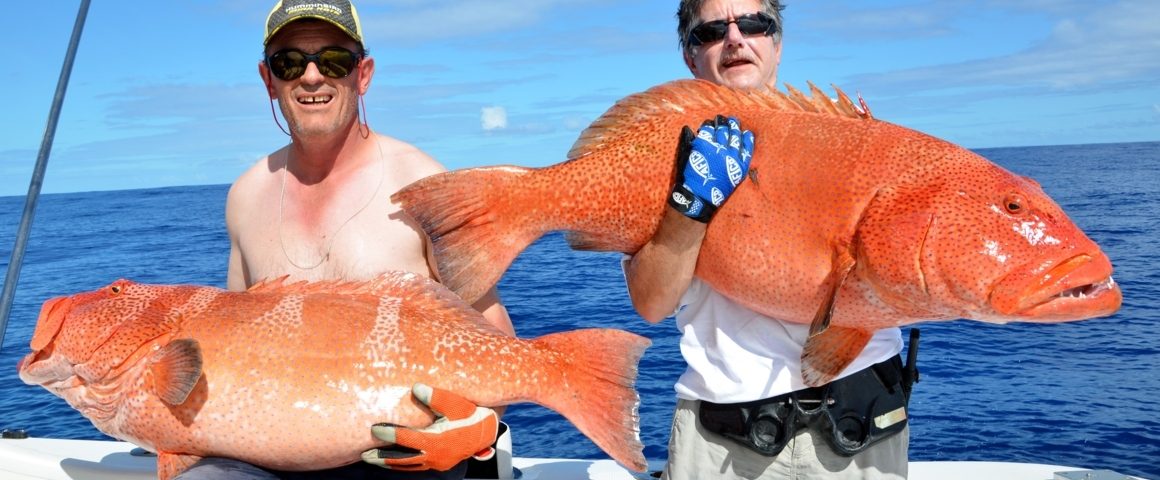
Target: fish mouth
[1077, 288]
[41, 367]
[32, 371]
[20, 363]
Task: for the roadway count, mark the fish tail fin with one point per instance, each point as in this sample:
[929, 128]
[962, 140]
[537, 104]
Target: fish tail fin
[596, 391]
[476, 223]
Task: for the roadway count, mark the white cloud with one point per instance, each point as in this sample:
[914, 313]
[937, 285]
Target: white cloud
[493, 118]
[1116, 44]
[862, 23]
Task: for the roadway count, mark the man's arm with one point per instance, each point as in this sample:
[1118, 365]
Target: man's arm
[660, 272]
[236, 271]
[710, 165]
[494, 312]
[235, 275]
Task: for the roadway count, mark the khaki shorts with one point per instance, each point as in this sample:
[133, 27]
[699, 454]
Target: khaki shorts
[695, 453]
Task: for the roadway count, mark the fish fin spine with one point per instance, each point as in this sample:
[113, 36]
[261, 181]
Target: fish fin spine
[435, 304]
[176, 368]
[596, 391]
[702, 95]
[377, 286]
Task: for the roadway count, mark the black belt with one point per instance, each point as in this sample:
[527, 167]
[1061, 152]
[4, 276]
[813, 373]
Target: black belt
[853, 412]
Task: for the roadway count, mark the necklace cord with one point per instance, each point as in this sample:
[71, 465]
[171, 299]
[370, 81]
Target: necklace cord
[329, 242]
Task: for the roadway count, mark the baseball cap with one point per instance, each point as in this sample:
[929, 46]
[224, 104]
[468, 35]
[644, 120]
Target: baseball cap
[340, 13]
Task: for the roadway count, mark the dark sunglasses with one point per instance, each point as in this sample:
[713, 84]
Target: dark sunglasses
[334, 62]
[751, 24]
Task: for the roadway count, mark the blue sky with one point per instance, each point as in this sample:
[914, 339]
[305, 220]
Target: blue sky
[167, 93]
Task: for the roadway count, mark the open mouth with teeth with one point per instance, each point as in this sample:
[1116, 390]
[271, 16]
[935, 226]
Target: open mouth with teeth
[1077, 288]
[1089, 290]
[315, 99]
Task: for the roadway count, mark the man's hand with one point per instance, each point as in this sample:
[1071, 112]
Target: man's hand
[710, 165]
[461, 430]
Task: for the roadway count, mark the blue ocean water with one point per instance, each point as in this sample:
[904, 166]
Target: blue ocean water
[1084, 394]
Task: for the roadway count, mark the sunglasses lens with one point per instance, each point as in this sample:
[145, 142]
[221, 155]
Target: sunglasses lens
[754, 24]
[751, 24]
[336, 63]
[709, 32]
[287, 64]
[332, 61]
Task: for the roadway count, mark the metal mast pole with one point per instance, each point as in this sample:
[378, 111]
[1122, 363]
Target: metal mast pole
[38, 174]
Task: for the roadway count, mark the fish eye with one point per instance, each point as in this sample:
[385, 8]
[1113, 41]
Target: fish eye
[115, 289]
[1014, 204]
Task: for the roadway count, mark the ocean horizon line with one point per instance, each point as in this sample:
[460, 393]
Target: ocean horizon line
[161, 187]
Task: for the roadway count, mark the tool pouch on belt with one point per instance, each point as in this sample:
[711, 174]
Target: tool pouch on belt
[852, 413]
[763, 425]
[865, 407]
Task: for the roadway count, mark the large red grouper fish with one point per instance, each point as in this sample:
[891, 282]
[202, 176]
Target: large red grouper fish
[846, 223]
[193, 371]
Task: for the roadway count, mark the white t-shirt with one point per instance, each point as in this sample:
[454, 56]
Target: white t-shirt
[737, 355]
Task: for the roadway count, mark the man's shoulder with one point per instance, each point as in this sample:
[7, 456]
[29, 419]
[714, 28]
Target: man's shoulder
[411, 162]
[254, 179]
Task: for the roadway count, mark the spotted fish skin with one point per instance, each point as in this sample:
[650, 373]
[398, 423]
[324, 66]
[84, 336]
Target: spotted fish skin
[845, 222]
[193, 371]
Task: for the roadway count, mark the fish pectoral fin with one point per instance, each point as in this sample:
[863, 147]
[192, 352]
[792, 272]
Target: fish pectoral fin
[170, 465]
[829, 349]
[176, 368]
[828, 353]
[843, 265]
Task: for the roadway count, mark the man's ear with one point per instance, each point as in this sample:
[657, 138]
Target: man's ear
[689, 63]
[264, 72]
[366, 69]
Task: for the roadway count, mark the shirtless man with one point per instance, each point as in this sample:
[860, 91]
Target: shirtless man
[319, 209]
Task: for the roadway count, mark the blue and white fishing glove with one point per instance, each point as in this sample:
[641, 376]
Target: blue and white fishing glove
[710, 165]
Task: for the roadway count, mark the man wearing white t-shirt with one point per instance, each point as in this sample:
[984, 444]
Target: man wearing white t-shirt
[743, 409]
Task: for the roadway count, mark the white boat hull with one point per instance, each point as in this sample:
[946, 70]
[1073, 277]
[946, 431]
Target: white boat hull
[56, 459]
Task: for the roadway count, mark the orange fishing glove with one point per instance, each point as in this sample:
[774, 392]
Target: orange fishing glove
[461, 429]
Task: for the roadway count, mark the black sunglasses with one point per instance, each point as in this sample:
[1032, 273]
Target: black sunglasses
[334, 62]
[751, 24]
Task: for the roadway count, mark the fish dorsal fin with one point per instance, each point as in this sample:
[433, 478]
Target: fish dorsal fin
[683, 95]
[430, 298]
[425, 298]
[283, 285]
[268, 284]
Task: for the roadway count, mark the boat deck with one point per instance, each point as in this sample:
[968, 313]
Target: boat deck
[45, 458]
